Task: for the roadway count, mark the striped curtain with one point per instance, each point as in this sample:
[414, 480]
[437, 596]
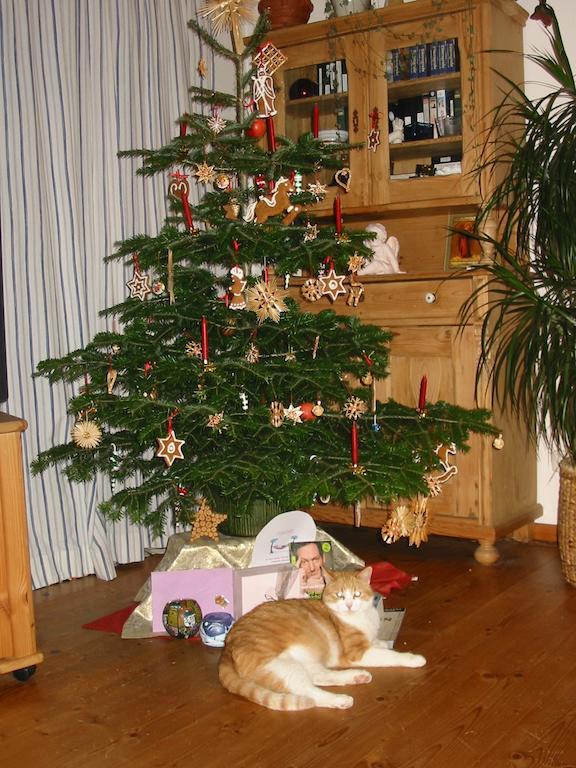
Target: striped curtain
[79, 81]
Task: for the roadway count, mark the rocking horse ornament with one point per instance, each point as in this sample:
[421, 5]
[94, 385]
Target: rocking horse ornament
[277, 202]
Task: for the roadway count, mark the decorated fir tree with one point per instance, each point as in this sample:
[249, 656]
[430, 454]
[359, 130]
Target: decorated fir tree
[213, 391]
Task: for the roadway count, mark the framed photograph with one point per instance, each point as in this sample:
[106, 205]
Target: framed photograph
[462, 249]
[311, 558]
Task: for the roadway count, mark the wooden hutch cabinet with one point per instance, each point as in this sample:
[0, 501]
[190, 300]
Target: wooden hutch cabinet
[18, 651]
[431, 63]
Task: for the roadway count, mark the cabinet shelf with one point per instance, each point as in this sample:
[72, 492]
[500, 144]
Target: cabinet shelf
[415, 149]
[419, 85]
[306, 102]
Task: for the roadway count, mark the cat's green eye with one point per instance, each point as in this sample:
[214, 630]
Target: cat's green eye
[357, 594]
[340, 595]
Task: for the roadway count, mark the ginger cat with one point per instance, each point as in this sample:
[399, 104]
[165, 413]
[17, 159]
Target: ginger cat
[279, 653]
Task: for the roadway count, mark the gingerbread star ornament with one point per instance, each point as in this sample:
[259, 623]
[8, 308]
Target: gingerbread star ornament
[169, 448]
[331, 285]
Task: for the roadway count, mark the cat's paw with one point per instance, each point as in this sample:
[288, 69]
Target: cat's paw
[341, 701]
[414, 660]
[362, 676]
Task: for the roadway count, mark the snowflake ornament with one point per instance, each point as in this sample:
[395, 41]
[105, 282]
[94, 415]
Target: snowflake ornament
[216, 421]
[205, 173]
[317, 189]
[193, 349]
[253, 354]
[311, 290]
[311, 232]
[293, 413]
[216, 123]
[354, 407]
[266, 300]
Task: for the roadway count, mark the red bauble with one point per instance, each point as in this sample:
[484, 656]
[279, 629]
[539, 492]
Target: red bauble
[307, 414]
[257, 129]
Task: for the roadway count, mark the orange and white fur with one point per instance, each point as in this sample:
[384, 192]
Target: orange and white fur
[280, 653]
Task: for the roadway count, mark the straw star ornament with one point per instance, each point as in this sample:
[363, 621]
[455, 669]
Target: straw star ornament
[229, 15]
[206, 522]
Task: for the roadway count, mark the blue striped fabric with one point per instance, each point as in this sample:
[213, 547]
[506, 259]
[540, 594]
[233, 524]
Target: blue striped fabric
[79, 81]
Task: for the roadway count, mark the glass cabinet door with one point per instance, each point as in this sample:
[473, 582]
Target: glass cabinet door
[423, 83]
[326, 97]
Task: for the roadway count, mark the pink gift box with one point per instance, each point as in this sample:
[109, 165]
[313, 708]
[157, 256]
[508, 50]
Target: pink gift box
[235, 591]
[212, 588]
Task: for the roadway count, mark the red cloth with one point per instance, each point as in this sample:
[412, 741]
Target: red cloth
[386, 577]
[113, 622]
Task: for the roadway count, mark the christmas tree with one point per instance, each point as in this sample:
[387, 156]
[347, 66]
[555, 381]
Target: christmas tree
[212, 391]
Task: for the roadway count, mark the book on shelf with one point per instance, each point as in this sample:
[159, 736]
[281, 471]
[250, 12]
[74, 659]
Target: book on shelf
[332, 77]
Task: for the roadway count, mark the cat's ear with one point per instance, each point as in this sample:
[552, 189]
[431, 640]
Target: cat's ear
[365, 574]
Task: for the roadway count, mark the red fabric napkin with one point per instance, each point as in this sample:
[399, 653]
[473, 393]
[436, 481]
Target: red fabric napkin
[386, 577]
[112, 622]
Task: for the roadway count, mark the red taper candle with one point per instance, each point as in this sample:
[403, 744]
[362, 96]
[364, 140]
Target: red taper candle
[338, 214]
[422, 396]
[354, 444]
[270, 134]
[187, 211]
[315, 120]
[204, 339]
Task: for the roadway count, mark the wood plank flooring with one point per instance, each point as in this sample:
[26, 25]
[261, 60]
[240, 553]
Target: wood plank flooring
[499, 689]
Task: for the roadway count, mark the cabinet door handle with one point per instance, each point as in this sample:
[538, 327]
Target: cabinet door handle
[430, 297]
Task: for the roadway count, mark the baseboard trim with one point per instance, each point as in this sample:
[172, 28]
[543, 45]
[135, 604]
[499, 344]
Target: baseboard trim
[544, 532]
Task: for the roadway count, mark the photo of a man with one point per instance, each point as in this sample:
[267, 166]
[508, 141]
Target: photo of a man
[311, 558]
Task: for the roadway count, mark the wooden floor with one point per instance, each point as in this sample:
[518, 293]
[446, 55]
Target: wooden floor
[499, 689]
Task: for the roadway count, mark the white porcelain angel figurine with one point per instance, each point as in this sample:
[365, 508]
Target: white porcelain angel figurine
[396, 135]
[385, 249]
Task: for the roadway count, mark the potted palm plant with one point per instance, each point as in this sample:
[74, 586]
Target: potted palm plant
[528, 341]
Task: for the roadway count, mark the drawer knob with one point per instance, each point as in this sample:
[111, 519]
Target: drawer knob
[430, 297]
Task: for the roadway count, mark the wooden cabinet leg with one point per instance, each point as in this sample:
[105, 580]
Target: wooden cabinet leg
[486, 553]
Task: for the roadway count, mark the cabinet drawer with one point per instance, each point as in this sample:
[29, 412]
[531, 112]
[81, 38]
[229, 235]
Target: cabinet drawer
[422, 301]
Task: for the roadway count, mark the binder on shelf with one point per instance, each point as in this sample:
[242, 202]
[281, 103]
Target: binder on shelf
[433, 55]
[422, 60]
[413, 62]
[452, 55]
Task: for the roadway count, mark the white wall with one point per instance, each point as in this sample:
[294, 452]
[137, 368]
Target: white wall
[535, 39]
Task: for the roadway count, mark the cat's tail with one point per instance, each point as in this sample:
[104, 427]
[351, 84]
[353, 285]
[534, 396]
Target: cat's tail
[257, 692]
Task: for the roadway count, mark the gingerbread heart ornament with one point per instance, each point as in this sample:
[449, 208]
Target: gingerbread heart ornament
[343, 177]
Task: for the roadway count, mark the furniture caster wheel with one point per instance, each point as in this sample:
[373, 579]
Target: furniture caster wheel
[25, 673]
